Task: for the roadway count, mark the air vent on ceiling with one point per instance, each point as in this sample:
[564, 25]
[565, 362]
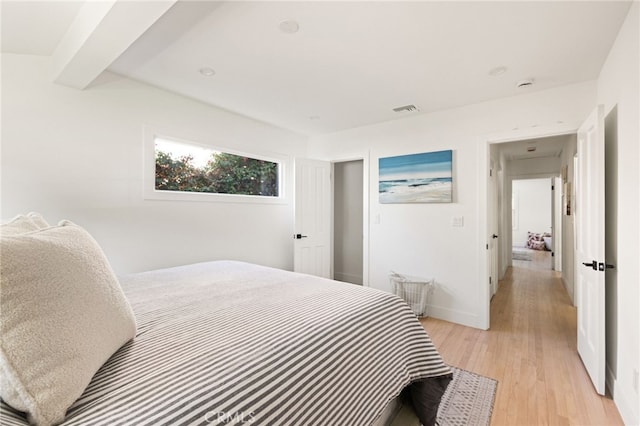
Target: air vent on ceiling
[524, 83]
[407, 108]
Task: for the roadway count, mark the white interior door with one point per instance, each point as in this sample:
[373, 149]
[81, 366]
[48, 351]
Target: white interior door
[312, 238]
[589, 254]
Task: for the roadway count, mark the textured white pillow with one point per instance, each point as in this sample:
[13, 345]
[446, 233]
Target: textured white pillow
[22, 224]
[18, 225]
[63, 315]
[38, 220]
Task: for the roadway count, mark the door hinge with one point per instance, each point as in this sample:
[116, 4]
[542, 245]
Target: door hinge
[487, 246]
[490, 172]
[489, 280]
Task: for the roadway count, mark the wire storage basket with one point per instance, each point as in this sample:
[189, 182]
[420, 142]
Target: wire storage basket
[413, 290]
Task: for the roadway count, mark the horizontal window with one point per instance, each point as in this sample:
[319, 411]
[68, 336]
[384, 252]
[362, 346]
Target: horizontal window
[189, 171]
[190, 168]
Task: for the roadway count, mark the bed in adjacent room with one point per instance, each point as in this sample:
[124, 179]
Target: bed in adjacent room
[229, 342]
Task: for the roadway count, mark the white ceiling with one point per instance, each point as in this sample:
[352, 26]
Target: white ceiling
[35, 27]
[544, 147]
[350, 63]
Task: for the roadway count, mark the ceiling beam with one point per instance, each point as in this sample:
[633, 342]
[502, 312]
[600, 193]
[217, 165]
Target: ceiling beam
[101, 32]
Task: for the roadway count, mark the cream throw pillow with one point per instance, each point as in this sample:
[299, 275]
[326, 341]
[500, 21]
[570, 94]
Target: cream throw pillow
[63, 315]
[22, 224]
[38, 220]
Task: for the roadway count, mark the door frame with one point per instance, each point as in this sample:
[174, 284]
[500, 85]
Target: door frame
[556, 221]
[484, 209]
[493, 205]
[365, 213]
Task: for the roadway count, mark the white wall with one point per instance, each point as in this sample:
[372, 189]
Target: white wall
[619, 88]
[532, 208]
[534, 167]
[419, 239]
[78, 155]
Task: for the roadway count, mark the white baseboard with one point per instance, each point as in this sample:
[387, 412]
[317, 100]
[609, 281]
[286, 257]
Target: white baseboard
[566, 287]
[622, 400]
[610, 380]
[346, 277]
[628, 416]
[453, 315]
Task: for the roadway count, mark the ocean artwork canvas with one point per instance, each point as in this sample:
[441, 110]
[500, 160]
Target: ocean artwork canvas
[416, 178]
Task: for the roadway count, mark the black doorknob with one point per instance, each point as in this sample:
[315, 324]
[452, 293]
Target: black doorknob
[494, 236]
[602, 266]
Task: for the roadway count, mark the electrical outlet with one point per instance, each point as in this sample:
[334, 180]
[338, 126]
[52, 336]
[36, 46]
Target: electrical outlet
[457, 221]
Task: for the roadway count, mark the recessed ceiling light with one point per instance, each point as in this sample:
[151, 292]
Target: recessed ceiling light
[289, 26]
[494, 72]
[207, 71]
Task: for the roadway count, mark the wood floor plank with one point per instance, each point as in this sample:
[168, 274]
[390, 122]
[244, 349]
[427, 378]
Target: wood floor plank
[531, 350]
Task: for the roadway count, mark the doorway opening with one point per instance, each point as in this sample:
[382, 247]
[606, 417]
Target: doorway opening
[532, 224]
[583, 202]
[529, 212]
[348, 221]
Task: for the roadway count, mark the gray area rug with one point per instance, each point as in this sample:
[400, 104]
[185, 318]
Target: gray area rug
[521, 255]
[468, 400]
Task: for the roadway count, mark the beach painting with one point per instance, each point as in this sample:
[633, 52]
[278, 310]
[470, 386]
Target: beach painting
[416, 178]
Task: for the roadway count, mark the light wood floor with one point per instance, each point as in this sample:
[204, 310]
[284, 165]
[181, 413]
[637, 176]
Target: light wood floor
[531, 350]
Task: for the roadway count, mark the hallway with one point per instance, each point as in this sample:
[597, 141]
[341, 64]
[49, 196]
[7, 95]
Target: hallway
[531, 350]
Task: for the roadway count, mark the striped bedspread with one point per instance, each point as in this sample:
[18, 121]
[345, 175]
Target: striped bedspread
[224, 343]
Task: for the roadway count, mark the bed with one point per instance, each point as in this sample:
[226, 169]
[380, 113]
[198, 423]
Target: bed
[228, 342]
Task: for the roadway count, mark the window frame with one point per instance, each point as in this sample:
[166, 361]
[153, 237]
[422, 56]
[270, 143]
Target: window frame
[149, 179]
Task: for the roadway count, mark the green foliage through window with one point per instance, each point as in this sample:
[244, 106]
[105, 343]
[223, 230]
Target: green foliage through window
[223, 173]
